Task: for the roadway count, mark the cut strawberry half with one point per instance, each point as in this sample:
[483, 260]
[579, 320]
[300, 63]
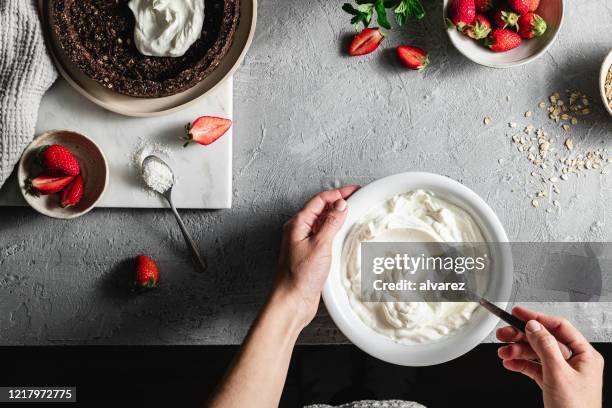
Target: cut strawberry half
[47, 184]
[412, 57]
[206, 129]
[366, 41]
[73, 193]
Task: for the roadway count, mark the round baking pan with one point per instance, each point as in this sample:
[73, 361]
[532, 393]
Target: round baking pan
[133, 106]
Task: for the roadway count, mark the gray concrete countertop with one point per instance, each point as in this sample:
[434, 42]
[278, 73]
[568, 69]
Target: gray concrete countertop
[307, 118]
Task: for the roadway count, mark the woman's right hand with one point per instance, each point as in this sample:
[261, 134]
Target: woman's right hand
[577, 382]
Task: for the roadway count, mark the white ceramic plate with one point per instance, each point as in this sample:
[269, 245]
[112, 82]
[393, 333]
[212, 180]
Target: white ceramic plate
[132, 106]
[605, 67]
[550, 10]
[480, 325]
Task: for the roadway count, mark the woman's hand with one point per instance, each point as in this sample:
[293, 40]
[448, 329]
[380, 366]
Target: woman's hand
[576, 382]
[305, 256]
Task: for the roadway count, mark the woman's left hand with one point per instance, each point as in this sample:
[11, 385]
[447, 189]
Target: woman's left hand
[305, 257]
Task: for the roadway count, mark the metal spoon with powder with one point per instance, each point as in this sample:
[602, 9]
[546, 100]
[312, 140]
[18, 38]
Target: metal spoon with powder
[158, 176]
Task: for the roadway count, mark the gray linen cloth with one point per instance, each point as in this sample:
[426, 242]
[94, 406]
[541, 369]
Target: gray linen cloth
[26, 72]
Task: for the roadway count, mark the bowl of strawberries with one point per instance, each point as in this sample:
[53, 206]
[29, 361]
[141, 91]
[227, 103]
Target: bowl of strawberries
[503, 33]
[62, 174]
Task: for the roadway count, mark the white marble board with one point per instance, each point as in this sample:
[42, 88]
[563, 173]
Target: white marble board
[203, 173]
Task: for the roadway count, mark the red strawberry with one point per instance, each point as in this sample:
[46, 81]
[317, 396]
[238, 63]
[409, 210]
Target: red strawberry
[73, 193]
[504, 19]
[206, 129]
[531, 25]
[461, 13]
[533, 4]
[47, 184]
[412, 57]
[57, 160]
[366, 41]
[147, 274]
[480, 29]
[502, 40]
[483, 6]
[519, 6]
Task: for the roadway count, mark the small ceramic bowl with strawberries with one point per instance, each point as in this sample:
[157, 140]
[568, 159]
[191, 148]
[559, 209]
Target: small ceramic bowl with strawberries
[503, 33]
[62, 174]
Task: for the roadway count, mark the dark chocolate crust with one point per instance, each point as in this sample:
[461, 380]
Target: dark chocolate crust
[97, 36]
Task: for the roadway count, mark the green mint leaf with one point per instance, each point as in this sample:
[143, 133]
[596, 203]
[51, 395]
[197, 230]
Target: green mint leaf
[381, 14]
[415, 8]
[349, 9]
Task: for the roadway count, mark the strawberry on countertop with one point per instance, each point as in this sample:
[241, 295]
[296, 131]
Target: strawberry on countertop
[502, 39]
[366, 41]
[47, 184]
[531, 25]
[73, 193]
[57, 160]
[206, 129]
[147, 274]
[412, 57]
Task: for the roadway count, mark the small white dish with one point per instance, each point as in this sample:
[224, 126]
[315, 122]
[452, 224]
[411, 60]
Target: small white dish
[94, 170]
[605, 67]
[550, 10]
[482, 322]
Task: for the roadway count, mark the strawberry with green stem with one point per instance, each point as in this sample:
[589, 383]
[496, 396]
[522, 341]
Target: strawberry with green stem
[412, 57]
[531, 25]
[505, 18]
[480, 29]
[147, 273]
[461, 13]
[502, 40]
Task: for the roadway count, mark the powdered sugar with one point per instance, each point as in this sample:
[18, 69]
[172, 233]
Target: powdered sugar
[143, 150]
[157, 175]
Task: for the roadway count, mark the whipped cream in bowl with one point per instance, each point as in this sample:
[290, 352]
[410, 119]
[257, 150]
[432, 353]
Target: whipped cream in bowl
[166, 28]
[414, 207]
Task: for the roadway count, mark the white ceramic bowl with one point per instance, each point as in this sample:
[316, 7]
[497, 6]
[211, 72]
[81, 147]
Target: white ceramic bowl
[605, 67]
[550, 10]
[480, 325]
[94, 170]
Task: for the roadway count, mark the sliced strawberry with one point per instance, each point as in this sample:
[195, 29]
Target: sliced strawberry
[366, 41]
[73, 193]
[412, 57]
[47, 184]
[57, 160]
[206, 129]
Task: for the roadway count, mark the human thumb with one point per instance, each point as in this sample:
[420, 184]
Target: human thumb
[331, 224]
[544, 344]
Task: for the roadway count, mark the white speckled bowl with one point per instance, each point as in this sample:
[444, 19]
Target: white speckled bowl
[550, 10]
[94, 170]
[605, 67]
[482, 322]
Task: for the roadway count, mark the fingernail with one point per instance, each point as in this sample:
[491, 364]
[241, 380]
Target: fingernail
[533, 326]
[340, 205]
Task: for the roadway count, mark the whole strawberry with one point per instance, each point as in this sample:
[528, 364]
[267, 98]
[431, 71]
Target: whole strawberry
[147, 274]
[480, 29]
[531, 25]
[57, 160]
[505, 18]
[519, 6]
[366, 41]
[533, 4]
[461, 13]
[412, 57]
[483, 6]
[502, 40]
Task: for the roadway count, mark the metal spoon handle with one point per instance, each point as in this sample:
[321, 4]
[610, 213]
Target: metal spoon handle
[192, 246]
